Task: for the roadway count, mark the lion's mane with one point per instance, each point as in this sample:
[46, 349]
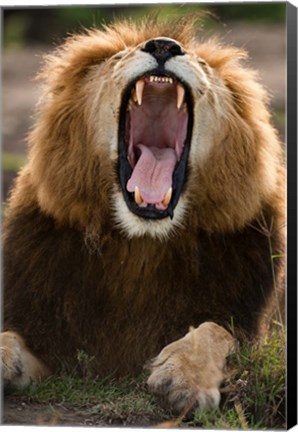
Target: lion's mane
[76, 276]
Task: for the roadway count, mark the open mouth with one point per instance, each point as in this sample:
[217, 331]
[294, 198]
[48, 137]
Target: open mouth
[154, 139]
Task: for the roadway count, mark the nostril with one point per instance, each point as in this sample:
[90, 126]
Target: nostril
[150, 46]
[163, 49]
[175, 49]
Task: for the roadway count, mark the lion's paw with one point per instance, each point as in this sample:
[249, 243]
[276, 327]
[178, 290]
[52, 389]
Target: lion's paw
[11, 365]
[175, 391]
[187, 373]
[18, 366]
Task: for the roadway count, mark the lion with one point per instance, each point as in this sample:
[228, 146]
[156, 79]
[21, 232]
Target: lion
[139, 230]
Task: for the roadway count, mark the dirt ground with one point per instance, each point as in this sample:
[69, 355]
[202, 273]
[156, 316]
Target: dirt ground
[266, 46]
[20, 411]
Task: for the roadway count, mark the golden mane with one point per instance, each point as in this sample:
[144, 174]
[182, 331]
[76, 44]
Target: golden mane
[252, 151]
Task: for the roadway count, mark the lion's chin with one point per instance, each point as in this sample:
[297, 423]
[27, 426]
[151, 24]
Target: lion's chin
[154, 140]
[133, 226]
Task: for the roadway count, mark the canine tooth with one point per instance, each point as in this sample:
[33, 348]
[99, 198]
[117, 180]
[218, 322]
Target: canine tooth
[167, 197]
[139, 91]
[171, 80]
[134, 96]
[180, 95]
[138, 198]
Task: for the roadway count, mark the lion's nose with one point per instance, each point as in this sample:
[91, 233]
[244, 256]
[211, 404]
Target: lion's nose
[163, 49]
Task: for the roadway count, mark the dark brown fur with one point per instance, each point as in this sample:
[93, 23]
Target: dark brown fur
[74, 282]
[126, 303]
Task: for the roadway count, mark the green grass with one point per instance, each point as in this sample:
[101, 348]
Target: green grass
[107, 399]
[81, 392]
[257, 390]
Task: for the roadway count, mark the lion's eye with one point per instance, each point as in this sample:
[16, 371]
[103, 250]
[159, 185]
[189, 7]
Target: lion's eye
[119, 55]
[201, 61]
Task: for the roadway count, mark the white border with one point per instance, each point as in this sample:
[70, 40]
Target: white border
[53, 3]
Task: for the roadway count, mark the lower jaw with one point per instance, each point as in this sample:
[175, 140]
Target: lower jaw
[150, 211]
[134, 226]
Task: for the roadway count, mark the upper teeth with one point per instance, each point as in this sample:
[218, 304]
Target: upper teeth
[154, 78]
[137, 94]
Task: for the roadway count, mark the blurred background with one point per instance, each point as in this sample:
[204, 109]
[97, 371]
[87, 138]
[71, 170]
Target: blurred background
[28, 33]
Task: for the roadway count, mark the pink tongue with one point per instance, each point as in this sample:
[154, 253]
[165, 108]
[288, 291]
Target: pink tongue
[153, 173]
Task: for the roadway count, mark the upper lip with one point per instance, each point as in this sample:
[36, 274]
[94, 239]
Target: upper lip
[141, 96]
